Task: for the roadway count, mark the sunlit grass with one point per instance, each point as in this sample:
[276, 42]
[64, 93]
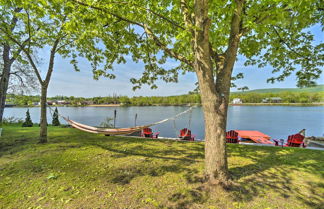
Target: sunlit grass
[81, 170]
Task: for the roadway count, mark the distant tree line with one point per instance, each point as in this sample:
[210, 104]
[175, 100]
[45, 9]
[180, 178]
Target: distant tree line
[193, 98]
[286, 97]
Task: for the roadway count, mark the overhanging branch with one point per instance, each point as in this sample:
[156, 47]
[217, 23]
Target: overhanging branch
[147, 30]
[142, 8]
[166, 49]
[288, 46]
[22, 47]
[19, 77]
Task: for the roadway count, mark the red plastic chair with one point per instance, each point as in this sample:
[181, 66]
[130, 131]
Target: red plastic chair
[232, 137]
[147, 133]
[185, 134]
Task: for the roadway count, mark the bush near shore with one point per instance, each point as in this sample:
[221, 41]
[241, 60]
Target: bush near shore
[82, 170]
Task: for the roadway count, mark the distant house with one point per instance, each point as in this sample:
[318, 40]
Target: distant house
[275, 100]
[87, 103]
[36, 103]
[62, 102]
[265, 100]
[9, 104]
[237, 101]
[272, 100]
[84, 103]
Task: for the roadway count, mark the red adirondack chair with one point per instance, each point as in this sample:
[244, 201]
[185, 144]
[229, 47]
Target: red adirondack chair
[232, 137]
[185, 134]
[295, 140]
[148, 133]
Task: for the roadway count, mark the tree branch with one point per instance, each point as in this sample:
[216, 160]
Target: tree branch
[14, 56]
[217, 58]
[53, 52]
[224, 75]
[64, 45]
[19, 77]
[260, 19]
[51, 61]
[111, 13]
[189, 22]
[14, 19]
[147, 30]
[146, 9]
[28, 26]
[289, 47]
[161, 16]
[166, 49]
[235, 29]
[13, 23]
[22, 47]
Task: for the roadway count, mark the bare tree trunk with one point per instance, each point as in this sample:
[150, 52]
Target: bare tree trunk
[43, 118]
[216, 169]
[4, 82]
[45, 83]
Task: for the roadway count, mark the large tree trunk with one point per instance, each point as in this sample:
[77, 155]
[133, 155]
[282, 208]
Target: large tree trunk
[215, 144]
[216, 169]
[4, 82]
[215, 94]
[7, 62]
[43, 119]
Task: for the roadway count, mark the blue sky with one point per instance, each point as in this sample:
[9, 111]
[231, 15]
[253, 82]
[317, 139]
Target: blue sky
[65, 81]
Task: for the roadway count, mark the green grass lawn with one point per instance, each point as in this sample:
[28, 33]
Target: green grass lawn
[81, 170]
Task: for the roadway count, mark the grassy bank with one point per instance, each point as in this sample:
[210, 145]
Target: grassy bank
[80, 170]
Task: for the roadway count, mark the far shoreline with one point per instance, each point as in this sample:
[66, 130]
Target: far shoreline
[103, 105]
[184, 105]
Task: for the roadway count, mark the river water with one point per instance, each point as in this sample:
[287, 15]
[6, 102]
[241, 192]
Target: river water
[276, 121]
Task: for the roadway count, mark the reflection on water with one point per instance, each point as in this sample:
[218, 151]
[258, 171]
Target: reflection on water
[276, 121]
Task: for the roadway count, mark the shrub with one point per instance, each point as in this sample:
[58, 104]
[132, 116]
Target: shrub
[28, 122]
[12, 120]
[55, 120]
[107, 123]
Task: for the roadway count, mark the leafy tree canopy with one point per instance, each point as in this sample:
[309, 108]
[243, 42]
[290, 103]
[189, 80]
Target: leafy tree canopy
[272, 33]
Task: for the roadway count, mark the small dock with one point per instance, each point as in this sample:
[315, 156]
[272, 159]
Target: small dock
[247, 136]
[10, 105]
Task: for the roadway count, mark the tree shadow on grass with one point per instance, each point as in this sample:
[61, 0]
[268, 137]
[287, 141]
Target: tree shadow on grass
[174, 160]
[251, 179]
[188, 198]
[146, 153]
[273, 170]
[123, 176]
[11, 146]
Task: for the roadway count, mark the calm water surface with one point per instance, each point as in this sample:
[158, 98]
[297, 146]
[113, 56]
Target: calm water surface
[276, 121]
